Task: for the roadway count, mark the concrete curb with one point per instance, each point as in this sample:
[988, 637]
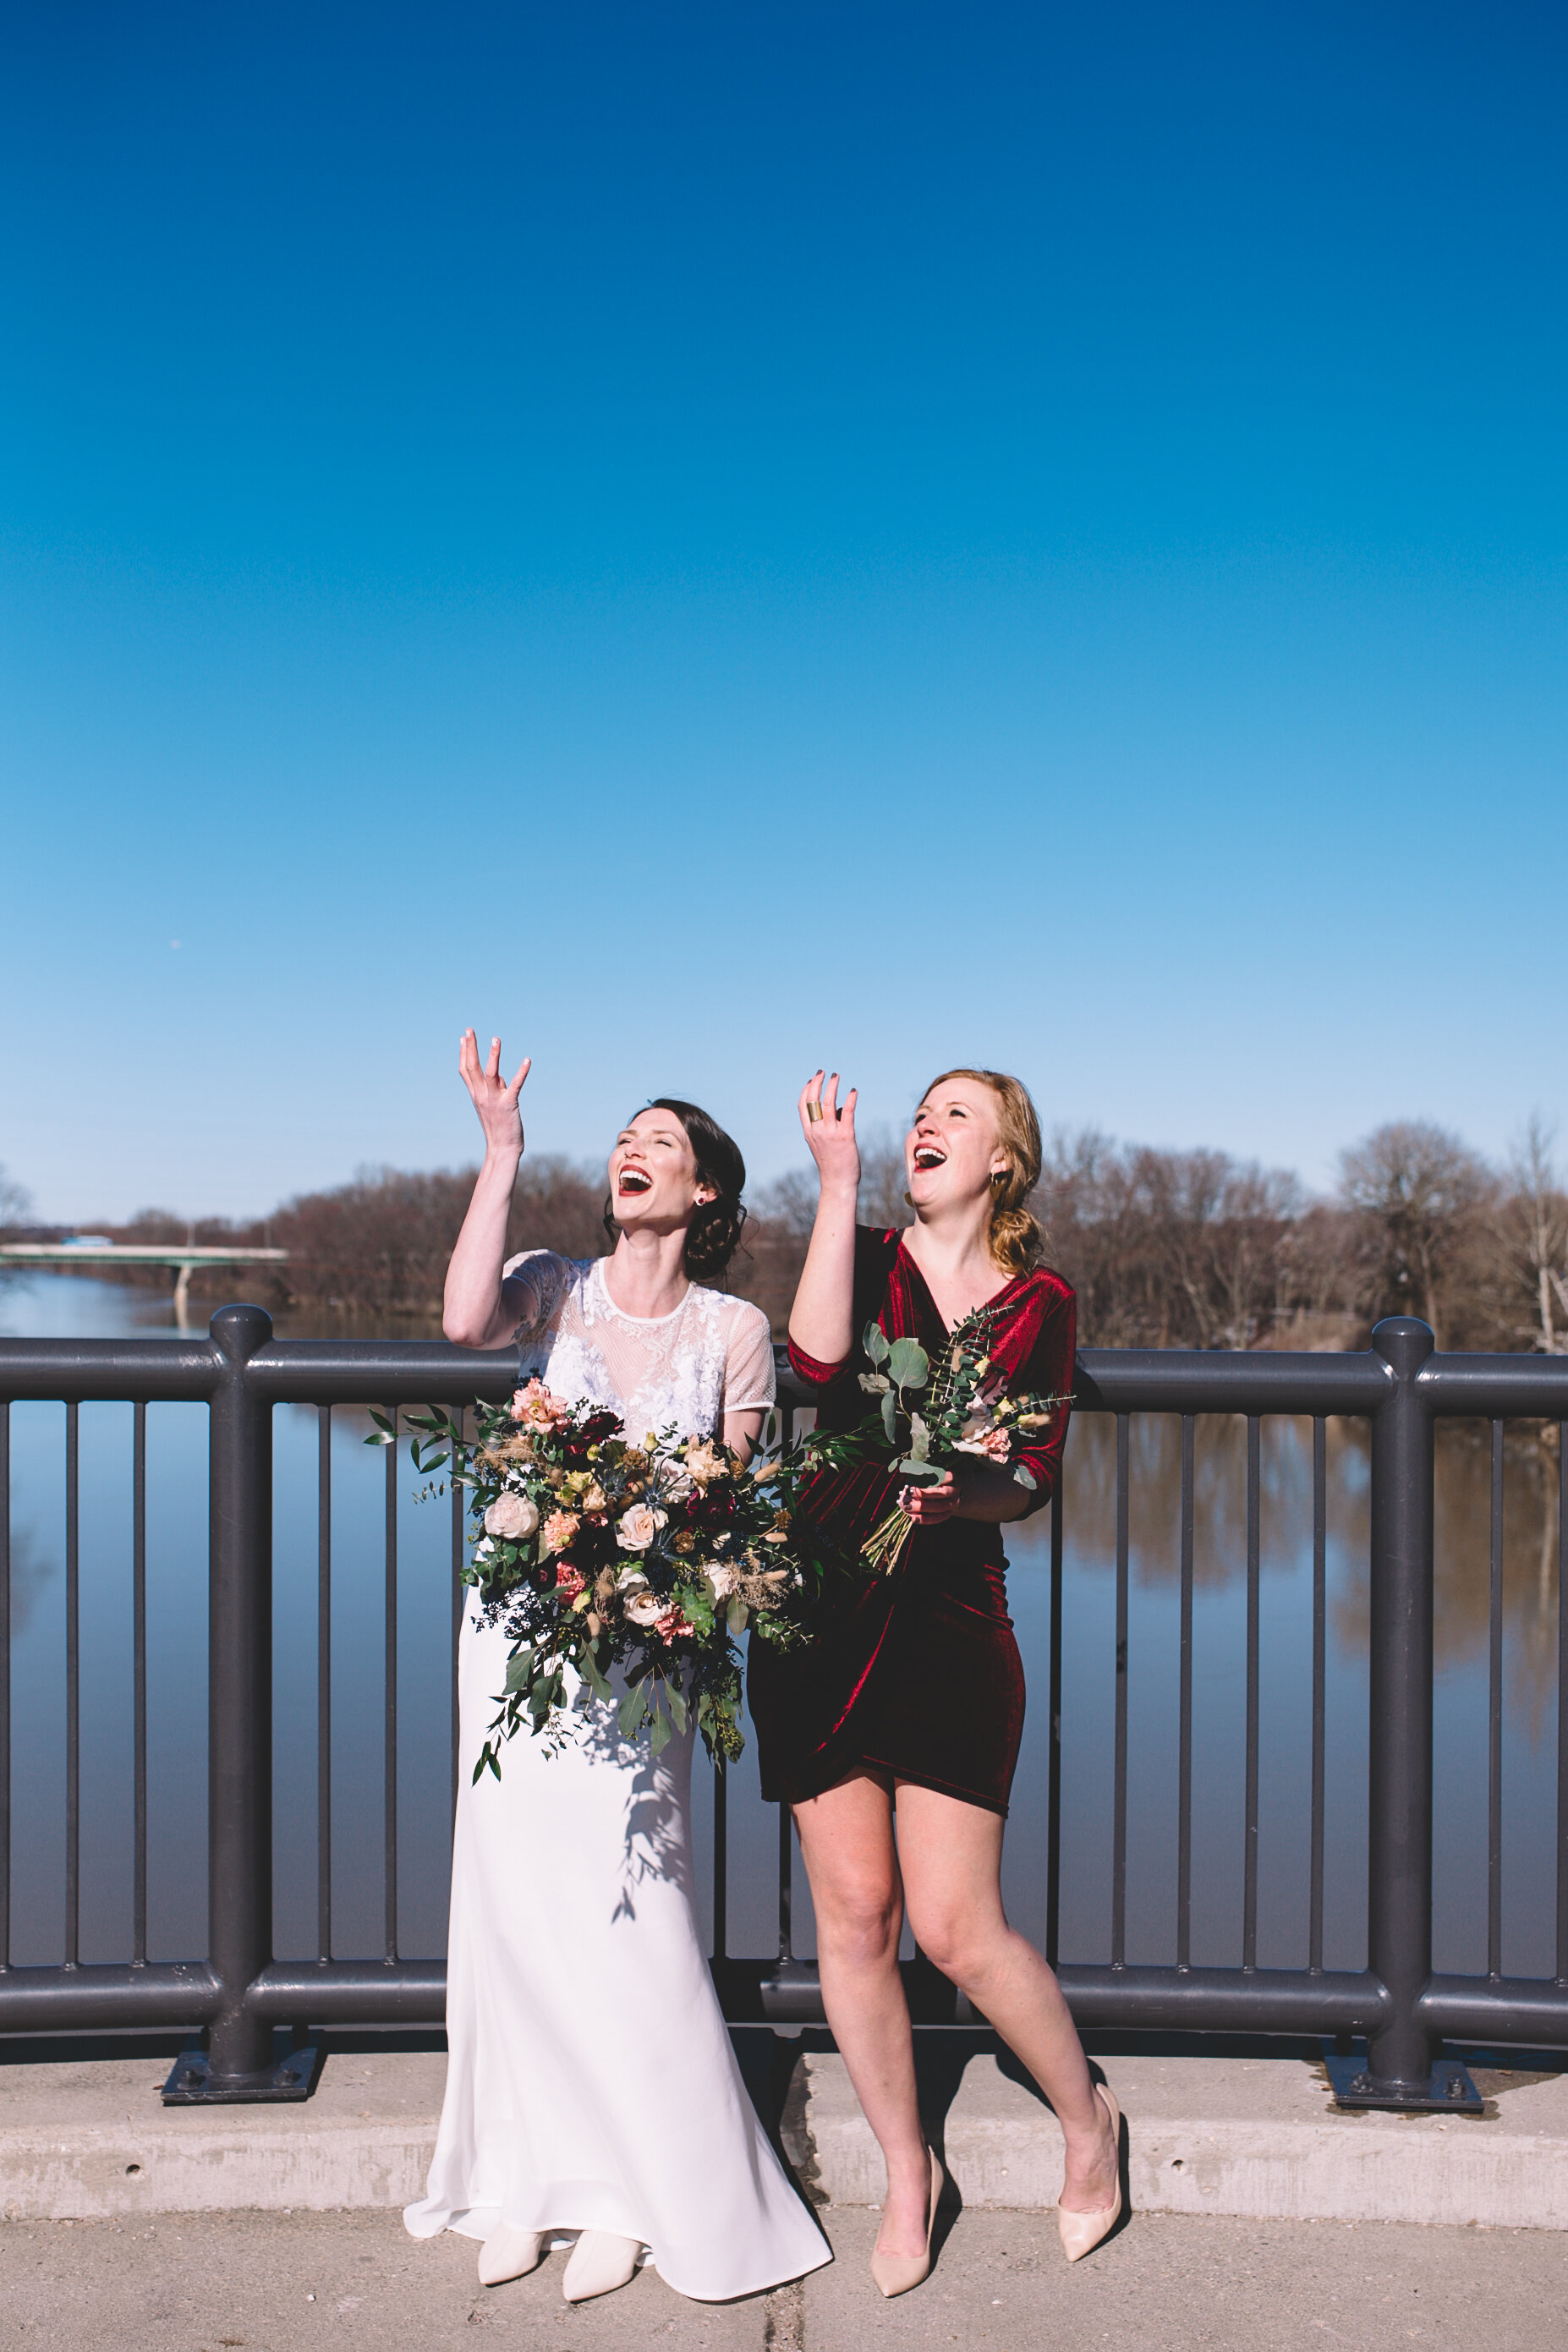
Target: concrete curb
[1257, 2139]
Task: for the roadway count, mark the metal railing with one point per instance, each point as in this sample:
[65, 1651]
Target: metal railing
[239, 1992]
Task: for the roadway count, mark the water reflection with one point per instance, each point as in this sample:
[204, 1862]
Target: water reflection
[176, 1633]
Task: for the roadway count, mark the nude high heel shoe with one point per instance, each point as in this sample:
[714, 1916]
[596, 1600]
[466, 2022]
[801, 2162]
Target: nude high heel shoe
[509, 2254]
[896, 2273]
[600, 2262]
[1081, 2232]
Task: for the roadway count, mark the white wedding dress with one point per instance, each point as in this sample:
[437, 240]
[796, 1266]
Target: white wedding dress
[590, 2080]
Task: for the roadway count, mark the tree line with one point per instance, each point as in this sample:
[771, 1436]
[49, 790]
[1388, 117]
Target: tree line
[1165, 1249]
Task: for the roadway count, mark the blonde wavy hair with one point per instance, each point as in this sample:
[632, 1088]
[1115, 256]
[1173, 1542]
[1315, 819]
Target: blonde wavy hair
[1014, 1238]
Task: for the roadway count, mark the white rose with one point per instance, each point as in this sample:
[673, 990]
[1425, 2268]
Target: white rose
[646, 1608]
[636, 1528]
[512, 1517]
[723, 1578]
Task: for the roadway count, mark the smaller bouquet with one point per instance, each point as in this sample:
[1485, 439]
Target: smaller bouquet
[594, 1552]
[924, 1426]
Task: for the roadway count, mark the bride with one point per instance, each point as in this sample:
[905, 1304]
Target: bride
[591, 2086]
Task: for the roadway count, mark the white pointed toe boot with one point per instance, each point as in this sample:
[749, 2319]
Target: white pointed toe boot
[509, 2254]
[600, 2264]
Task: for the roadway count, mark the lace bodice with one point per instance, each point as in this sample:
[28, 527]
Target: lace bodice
[712, 1355]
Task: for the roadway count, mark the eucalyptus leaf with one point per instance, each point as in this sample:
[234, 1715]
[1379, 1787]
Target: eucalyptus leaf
[631, 1711]
[919, 1474]
[1024, 1476]
[679, 1710]
[596, 1680]
[520, 1670]
[890, 1417]
[658, 1737]
[909, 1364]
[876, 1343]
[919, 1443]
[737, 1614]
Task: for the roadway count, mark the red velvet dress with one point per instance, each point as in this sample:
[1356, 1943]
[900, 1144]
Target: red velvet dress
[916, 1675]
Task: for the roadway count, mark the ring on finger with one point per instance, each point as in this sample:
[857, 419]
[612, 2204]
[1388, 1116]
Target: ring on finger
[813, 1110]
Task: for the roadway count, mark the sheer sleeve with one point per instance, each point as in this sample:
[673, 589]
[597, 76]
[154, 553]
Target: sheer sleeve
[531, 1285]
[749, 1378]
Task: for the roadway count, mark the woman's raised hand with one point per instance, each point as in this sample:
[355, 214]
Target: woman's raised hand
[495, 1101]
[829, 1129]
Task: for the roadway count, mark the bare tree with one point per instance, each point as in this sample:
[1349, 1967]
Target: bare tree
[1533, 1230]
[1417, 1193]
[15, 1201]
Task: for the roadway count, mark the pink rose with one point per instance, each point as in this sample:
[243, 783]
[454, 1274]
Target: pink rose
[567, 1580]
[512, 1517]
[636, 1528]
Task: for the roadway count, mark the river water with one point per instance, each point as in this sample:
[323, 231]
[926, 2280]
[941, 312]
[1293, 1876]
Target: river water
[46, 1305]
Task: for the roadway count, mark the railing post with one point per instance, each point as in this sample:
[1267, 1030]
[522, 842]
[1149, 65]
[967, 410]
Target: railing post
[1399, 1798]
[239, 1706]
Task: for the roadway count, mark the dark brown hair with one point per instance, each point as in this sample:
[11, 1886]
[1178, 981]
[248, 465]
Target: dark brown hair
[715, 1228]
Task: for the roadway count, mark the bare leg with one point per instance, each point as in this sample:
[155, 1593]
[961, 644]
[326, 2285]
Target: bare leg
[949, 1854]
[847, 1838]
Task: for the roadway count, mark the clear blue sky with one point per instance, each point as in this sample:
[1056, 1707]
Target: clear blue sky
[711, 539]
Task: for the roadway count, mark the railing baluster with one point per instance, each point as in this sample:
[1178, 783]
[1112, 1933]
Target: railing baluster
[1254, 1518]
[1494, 1720]
[1185, 1720]
[787, 1826]
[1118, 1827]
[720, 1860]
[139, 1678]
[323, 1682]
[1320, 1682]
[73, 1687]
[389, 1746]
[4, 1682]
[1054, 1736]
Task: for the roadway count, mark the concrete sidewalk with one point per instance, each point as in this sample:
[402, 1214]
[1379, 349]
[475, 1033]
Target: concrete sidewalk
[357, 2282]
[1253, 2137]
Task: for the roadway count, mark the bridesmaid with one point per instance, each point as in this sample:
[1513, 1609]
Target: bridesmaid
[913, 1698]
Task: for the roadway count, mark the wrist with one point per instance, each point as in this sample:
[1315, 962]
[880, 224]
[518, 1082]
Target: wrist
[501, 1161]
[838, 1192]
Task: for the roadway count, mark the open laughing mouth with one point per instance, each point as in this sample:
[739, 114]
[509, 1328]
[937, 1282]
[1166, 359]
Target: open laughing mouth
[631, 1181]
[928, 1156]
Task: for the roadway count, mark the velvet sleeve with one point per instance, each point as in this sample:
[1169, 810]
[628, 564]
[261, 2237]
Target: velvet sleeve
[875, 1250]
[1046, 1370]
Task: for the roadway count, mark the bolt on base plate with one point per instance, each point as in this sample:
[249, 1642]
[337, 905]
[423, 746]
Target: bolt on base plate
[1449, 2089]
[192, 2083]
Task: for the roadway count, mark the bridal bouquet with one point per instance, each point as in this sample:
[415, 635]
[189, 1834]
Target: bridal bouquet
[925, 1423]
[594, 1552]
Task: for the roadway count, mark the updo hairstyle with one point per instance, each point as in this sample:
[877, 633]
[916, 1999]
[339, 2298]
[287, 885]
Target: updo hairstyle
[715, 1229]
[1014, 1238]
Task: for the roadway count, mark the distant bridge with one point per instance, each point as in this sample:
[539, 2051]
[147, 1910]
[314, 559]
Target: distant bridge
[169, 1254]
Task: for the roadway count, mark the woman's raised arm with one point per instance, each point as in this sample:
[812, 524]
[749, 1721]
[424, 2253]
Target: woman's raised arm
[474, 1312]
[821, 1321]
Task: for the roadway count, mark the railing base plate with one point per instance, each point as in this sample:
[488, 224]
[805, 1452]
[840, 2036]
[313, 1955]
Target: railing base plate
[1449, 2090]
[193, 2084]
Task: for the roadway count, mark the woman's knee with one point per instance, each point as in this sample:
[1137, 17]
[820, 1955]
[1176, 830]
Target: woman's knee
[964, 1946]
[858, 1925]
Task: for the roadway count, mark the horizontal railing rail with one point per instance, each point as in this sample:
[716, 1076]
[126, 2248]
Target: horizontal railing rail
[239, 1992]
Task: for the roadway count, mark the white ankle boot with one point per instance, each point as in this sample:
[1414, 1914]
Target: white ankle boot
[509, 2254]
[600, 2262]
